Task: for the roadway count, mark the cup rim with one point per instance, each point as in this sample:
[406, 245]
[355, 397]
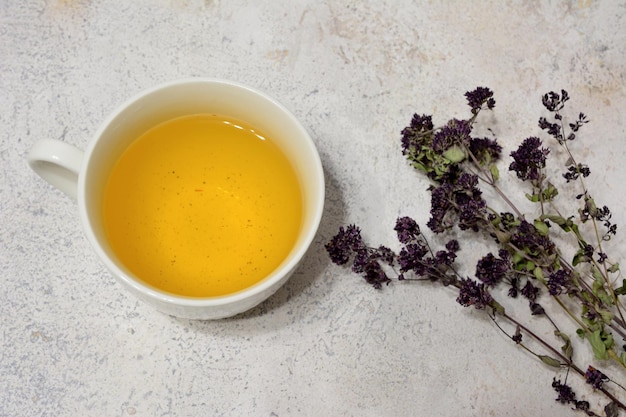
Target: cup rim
[267, 282]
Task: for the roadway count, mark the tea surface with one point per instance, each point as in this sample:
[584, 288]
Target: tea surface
[202, 206]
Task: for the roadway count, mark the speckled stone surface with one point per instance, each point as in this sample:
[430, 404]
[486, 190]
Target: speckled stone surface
[73, 342]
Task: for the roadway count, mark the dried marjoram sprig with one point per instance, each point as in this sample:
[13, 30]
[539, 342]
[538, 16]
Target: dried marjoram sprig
[527, 263]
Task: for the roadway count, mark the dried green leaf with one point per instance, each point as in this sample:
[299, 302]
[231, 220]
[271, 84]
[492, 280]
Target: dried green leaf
[502, 236]
[606, 315]
[566, 224]
[580, 257]
[549, 192]
[597, 288]
[497, 307]
[495, 173]
[598, 277]
[611, 409]
[541, 227]
[591, 207]
[576, 278]
[533, 197]
[419, 166]
[550, 361]
[455, 154]
[577, 232]
[554, 218]
[597, 344]
[567, 348]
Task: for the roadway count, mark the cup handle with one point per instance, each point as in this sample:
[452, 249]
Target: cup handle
[58, 163]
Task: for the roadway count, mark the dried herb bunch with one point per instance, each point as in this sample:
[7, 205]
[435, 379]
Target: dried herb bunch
[527, 264]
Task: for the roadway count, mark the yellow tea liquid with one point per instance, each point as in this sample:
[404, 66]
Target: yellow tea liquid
[202, 205]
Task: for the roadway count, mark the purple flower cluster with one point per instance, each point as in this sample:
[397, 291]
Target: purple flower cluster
[414, 255]
[567, 396]
[485, 150]
[491, 270]
[455, 132]
[601, 214]
[344, 243]
[529, 159]
[411, 258]
[528, 238]
[565, 393]
[412, 135]
[554, 102]
[575, 171]
[407, 229]
[455, 161]
[559, 282]
[347, 244]
[447, 257]
[553, 129]
[441, 152]
[595, 377]
[478, 97]
[530, 291]
[474, 294]
[461, 200]
[366, 263]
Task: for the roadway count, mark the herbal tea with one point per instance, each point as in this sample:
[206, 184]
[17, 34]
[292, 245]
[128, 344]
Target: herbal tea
[202, 205]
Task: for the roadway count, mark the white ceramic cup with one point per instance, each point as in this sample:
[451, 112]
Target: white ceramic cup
[83, 175]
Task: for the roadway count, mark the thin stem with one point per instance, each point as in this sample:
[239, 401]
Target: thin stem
[609, 286]
[491, 182]
[564, 359]
[616, 324]
[520, 344]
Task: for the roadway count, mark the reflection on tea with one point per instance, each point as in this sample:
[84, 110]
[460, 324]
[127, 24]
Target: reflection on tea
[202, 205]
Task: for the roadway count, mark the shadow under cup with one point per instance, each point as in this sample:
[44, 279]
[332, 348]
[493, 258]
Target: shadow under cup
[200, 97]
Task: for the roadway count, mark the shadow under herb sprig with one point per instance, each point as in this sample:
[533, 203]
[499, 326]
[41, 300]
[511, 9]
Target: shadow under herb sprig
[528, 264]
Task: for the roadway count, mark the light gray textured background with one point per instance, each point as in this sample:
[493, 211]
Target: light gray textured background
[74, 343]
